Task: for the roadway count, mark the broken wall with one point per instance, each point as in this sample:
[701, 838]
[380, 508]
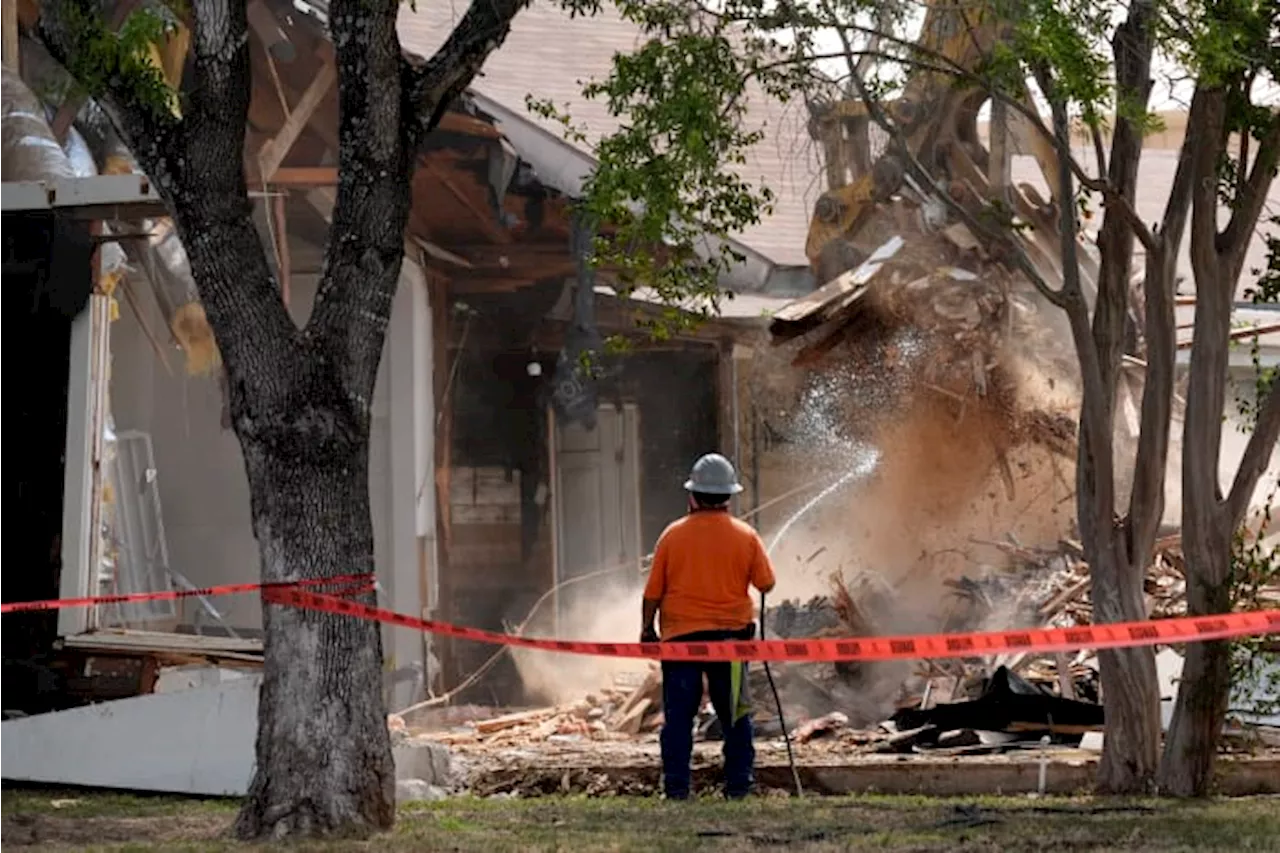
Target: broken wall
[203, 489]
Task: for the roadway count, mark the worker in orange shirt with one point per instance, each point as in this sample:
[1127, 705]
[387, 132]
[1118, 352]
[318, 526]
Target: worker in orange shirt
[703, 568]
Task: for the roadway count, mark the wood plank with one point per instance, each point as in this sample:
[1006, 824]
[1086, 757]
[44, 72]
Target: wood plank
[487, 219]
[272, 154]
[630, 724]
[1056, 604]
[520, 718]
[10, 42]
[844, 285]
[284, 263]
[457, 122]
[302, 176]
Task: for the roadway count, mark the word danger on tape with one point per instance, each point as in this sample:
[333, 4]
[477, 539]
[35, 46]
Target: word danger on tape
[1117, 635]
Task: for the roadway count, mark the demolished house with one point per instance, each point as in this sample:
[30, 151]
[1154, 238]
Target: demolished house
[496, 470]
[509, 494]
[906, 435]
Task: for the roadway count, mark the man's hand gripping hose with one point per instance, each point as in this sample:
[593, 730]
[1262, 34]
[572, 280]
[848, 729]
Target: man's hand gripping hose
[782, 720]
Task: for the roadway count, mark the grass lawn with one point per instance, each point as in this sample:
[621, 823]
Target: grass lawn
[76, 820]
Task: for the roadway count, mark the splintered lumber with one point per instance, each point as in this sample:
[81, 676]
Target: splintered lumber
[1055, 605]
[630, 723]
[520, 718]
[820, 726]
[648, 690]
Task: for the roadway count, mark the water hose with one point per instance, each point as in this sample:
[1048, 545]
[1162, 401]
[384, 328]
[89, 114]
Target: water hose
[782, 720]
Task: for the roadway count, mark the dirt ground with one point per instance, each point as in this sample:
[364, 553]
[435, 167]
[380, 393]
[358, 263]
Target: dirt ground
[43, 820]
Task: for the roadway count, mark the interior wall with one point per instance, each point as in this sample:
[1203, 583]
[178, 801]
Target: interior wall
[204, 493]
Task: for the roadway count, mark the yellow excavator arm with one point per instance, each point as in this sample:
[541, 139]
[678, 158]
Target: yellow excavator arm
[937, 117]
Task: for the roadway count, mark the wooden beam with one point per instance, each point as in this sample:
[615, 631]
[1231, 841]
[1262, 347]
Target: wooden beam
[517, 269]
[456, 122]
[487, 219]
[272, 154]
[283, 262]
[1243, 334]
[302, 176]
[268, 30]
[468, 286]
[10, 26]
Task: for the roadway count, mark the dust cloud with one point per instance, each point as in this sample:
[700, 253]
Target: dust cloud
[594, 611]
[951, 477]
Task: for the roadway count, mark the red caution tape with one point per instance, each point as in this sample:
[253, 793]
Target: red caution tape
[1187, 629]
[1162, 631]
[358, 584]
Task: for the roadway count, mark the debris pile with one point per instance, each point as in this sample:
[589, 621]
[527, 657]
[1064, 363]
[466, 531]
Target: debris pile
[611, 714]
[949, 707]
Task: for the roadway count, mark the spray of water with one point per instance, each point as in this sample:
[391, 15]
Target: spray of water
[861, 469]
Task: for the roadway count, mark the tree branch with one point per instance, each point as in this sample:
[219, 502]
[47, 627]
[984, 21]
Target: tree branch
[196, 166]
[365, 250]
[1233, 243]
[76, 34]
[1174, 223]
[431, 87]
[1257, 453]
[1207, 152]
[950, 67]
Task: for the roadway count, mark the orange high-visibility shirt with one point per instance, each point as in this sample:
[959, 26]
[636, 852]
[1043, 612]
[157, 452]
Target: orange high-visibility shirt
[702, 570]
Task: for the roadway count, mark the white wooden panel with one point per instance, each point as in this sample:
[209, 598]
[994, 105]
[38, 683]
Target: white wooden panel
[82, 487]
[190, 742]
[598, 493]
[575, 438]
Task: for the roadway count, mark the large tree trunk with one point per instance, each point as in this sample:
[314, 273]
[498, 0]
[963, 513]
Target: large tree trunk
[323, 752]
[300, 409]
[1191, 747]
[299, 398]
[1130, 692]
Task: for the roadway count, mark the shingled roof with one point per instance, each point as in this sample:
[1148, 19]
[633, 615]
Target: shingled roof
[548, 55]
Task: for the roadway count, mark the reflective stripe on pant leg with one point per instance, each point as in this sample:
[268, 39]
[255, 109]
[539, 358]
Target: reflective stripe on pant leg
[737, 694]
[735, 721]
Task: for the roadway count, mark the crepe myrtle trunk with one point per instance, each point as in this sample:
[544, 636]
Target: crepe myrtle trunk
[1210, 519]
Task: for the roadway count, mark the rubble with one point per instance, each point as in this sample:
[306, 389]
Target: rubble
[611, 714]
[947, 707]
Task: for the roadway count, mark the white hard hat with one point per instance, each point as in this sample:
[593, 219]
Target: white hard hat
[713, 475]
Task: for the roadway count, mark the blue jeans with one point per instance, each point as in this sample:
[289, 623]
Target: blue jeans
[681, 699]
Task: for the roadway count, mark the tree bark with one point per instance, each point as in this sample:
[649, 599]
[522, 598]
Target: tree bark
[1117, 558]
[1209, 519]
[300, 398]
[324, 762]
